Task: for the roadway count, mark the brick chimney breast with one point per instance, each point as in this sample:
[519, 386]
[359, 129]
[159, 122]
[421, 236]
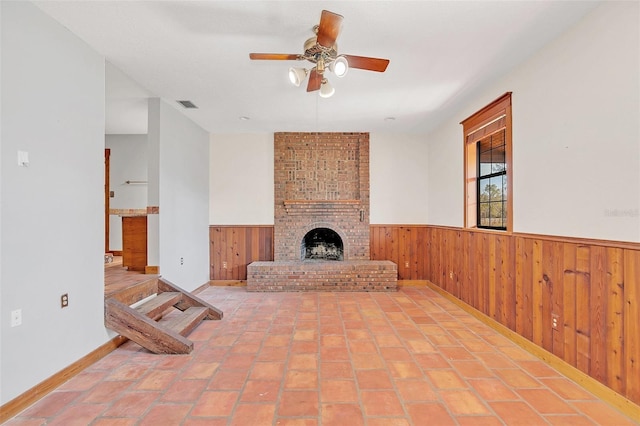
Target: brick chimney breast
[321, 180]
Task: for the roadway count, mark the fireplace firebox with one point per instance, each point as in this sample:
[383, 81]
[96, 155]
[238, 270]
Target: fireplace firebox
[322, 244]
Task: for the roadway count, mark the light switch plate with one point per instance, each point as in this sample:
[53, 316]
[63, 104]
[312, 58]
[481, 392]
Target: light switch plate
[16, 317]
[23, 159]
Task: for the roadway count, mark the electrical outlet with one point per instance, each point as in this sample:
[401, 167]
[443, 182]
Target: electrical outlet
[64, 300]
[224, 265]
[182, 261]
[555, 319]
[406, 264]
[451, 274]
[16, 318]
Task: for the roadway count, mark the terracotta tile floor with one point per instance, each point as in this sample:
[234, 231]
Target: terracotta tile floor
[405, 358]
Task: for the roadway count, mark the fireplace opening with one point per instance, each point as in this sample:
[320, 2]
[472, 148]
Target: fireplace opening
[322, 244]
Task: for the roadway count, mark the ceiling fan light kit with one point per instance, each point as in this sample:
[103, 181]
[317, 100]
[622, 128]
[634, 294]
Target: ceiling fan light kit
[297, 75]
[340, 66]
[326, 89]
[322, 51]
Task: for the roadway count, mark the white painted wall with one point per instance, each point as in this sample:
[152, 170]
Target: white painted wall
[445, 175]
[52, 212]
[153, 180]
[398, 174]
[128, 162]
[183, 195]
[241, 179]
[576, 134]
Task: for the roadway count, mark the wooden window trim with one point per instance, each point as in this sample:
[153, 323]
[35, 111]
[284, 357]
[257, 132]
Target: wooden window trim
[488, 120]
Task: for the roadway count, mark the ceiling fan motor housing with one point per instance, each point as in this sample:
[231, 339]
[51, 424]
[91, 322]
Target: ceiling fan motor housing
[315, 53]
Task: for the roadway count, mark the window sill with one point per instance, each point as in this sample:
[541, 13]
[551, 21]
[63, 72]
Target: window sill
[489, 230]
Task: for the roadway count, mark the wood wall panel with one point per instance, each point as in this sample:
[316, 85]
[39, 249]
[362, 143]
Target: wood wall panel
[537, 294]
[630, 321]
[598, 304]
[406, 246]
[510, 294]
[614, 297]
[523, 282]
[232, 248]
[569, 304]
[583, 313]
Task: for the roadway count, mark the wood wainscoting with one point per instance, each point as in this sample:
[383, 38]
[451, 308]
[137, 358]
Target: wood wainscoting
[232, 248]
[576, 298]
[405, 245]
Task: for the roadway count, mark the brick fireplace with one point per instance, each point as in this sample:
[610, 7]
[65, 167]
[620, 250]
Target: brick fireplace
[321, 191]
[321, 181]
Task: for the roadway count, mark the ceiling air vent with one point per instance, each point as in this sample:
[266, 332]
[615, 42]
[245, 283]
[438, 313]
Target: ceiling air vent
[187, 104]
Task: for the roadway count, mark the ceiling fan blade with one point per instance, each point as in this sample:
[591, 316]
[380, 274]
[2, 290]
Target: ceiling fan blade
[329, 28]
[274, 56]
[315, 80]
[365, 63]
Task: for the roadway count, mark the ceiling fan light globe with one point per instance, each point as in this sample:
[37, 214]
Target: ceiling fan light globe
[340, 66]
[296, 75]
[326, 89]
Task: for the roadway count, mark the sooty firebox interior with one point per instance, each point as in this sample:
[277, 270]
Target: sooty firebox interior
[322, 244]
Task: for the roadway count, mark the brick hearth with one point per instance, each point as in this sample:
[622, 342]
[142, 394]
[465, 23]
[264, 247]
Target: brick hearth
[321, 181]
[348, 275]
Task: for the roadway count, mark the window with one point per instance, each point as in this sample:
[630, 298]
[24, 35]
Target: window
[487, 156]
[491, 192]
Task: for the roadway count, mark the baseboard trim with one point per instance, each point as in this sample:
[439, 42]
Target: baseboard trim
[412, 283]
[31, 396]
[606, 394]
[228, 283]
[152, 270]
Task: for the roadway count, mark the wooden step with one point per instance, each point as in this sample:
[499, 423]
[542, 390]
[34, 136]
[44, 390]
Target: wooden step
[132, 293]
[189, 299]
[140, 324]
[184, 323]
[153, 308]
[146, 332]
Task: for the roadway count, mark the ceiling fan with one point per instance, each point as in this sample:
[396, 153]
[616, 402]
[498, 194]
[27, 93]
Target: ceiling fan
[322, 51]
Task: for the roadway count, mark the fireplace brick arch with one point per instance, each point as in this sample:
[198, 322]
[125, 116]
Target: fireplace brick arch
[321, 226]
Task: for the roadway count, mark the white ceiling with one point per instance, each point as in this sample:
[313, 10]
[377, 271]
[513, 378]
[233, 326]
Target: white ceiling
[441, 54]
